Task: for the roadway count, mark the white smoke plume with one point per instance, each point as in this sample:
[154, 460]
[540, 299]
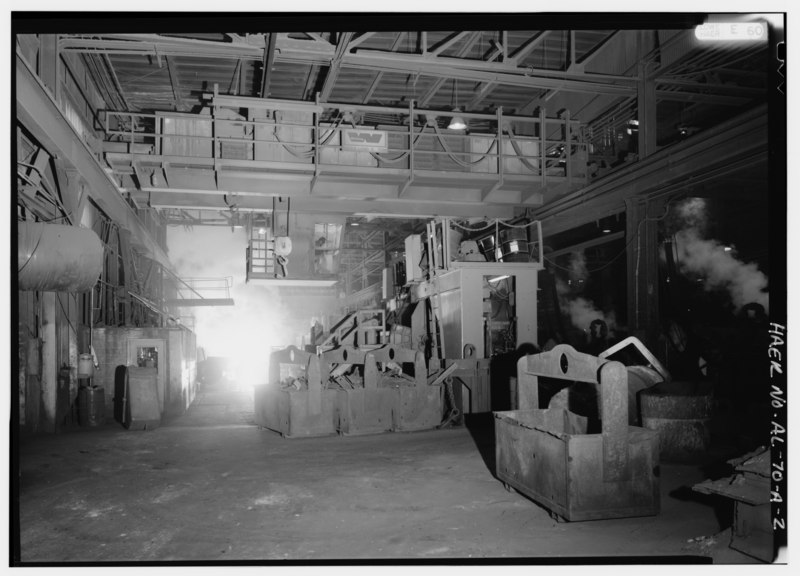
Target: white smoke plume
[581, 311]
[577, 268]
[720, 269]
[692, 213]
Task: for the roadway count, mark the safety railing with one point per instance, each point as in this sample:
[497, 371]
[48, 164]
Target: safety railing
[204, 288]
[550, 146]
[497, 241]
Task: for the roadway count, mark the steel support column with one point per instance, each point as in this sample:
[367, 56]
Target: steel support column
[49, 383]
[646, 100]
[641, 222]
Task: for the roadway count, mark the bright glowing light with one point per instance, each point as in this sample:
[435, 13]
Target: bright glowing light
[727, 248]
[245, 341]
[262, 231]
[498, 278]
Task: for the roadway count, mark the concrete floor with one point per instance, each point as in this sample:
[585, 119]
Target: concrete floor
[212, 486]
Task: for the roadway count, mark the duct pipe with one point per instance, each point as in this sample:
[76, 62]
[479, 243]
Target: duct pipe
[57, 257]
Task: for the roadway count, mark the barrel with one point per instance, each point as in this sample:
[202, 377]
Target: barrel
[91, 406]
[514, 245]
[85, 366]
[681, 414]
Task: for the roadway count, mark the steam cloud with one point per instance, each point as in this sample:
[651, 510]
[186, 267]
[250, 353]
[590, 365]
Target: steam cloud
[720, 269]
[581, 311]
[247, 331]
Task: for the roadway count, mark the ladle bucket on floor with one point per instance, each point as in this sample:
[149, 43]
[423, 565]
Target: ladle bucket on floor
[309, 411]
[548, 456]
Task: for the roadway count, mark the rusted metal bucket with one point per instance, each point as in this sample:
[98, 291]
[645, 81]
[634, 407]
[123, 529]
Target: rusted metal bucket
[309, 411]
[417, 405]
[366, 409]
[548, 456]
[681, 414]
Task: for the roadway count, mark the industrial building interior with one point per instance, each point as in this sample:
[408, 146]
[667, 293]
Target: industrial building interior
[495, 289]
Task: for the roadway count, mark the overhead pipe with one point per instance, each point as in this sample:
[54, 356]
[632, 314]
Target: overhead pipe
[57, 257]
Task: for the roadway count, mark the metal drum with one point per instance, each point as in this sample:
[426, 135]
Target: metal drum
[514, 245]
[91, 406]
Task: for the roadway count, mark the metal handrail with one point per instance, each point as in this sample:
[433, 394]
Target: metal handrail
[501, 146]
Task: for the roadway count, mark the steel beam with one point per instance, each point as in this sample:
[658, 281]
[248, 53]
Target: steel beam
[734, 144]
[441, 47]
[440, 81]
[454, 68]
[40, 115]
[267, 63]
[333, 71]
[528, 46]
[383, 208]
[288, 50]
[361, 38]
[676, 96]
[646, 106]
[309, 51]
[379, 75]
[194, 302]
[175, 82]
[597, 49]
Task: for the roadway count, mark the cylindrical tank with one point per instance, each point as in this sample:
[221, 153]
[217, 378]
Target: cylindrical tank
[91, 406]
[58, 258]
[85, 366]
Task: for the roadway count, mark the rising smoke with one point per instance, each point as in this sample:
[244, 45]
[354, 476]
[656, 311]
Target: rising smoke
[744, 282]
[581, 311]
[709, 259]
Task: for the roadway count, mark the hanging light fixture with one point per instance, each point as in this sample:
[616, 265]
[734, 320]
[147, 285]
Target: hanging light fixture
[456, 122]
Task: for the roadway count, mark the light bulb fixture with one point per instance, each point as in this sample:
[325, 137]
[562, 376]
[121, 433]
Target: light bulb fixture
[262, 231]
[457, 122]
[498, 278]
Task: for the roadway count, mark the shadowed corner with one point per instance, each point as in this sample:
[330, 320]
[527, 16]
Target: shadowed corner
[503, 368]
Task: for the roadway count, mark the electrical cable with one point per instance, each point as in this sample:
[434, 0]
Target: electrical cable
[403, 155]
[451, 155]
[520, 155]
[66, 315]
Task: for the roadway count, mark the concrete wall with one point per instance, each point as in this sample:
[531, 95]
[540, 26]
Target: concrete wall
[179, 360]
